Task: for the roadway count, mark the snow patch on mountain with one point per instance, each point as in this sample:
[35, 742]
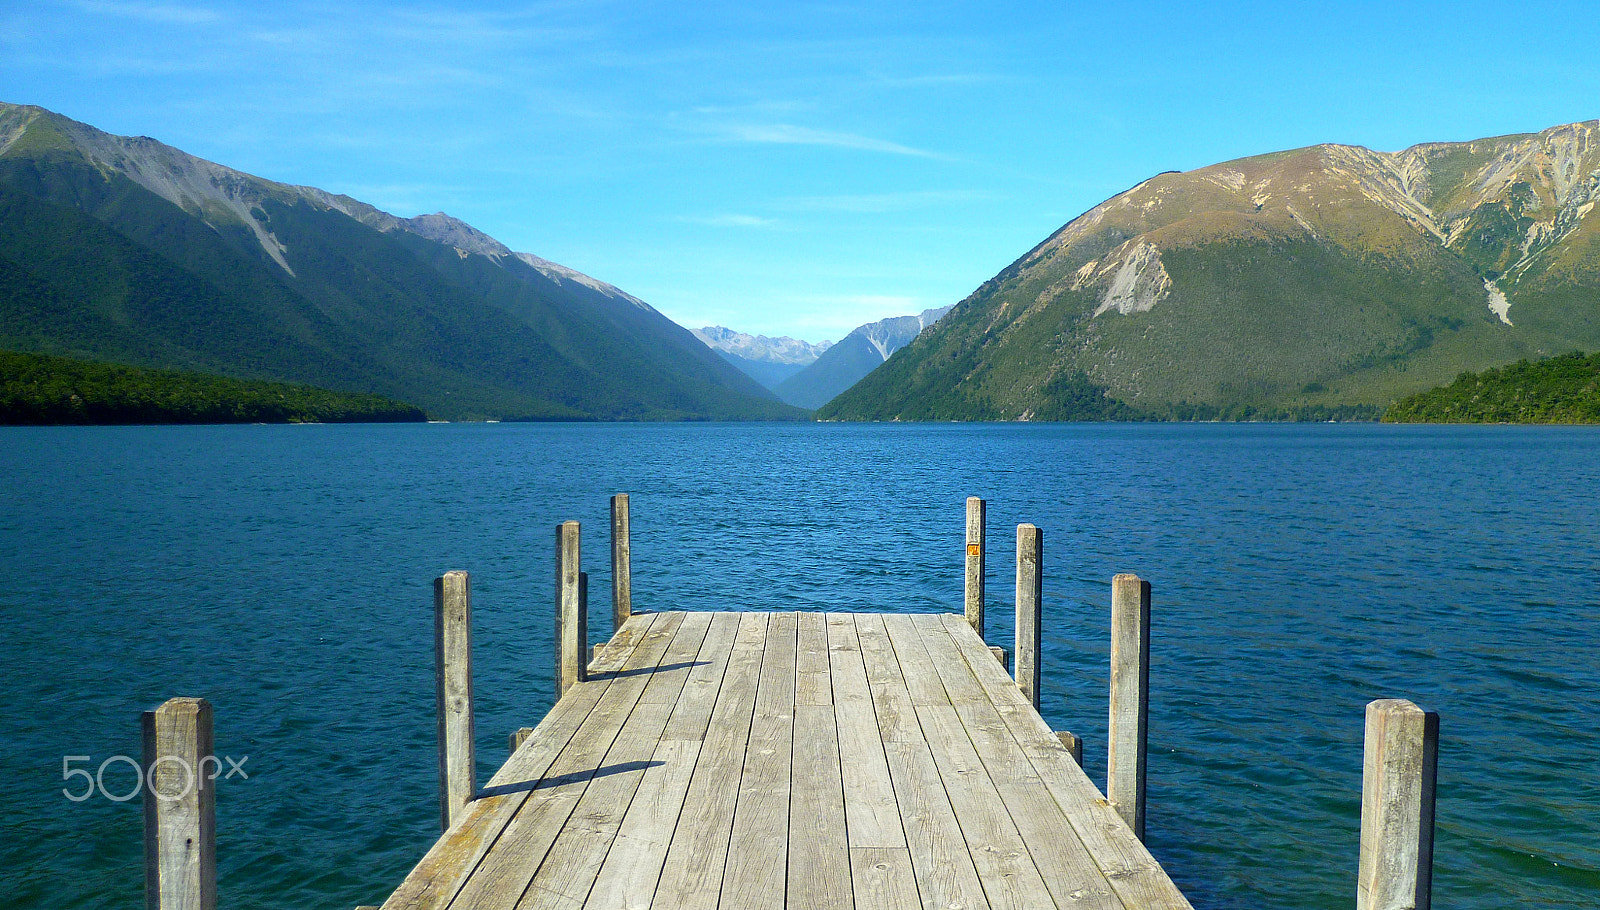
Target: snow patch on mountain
[760, 348]
[889, 335]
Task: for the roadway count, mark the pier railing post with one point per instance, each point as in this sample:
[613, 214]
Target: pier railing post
[572, 625]
[452, 601]
[621, 563]
[1130, 699]
[1030, 594]
[518, 737]
[180, 808]
[1399, 769]
[976, 509]
[1074, 745]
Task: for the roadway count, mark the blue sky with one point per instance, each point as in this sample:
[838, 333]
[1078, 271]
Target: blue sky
[793, 169]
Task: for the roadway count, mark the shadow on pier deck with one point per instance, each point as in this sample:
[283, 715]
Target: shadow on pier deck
[756, 760]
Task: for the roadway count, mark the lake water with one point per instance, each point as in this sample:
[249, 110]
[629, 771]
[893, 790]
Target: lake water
[285, 574]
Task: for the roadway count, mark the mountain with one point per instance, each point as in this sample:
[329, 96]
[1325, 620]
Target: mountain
[1320, 278]
[127, 250]
[768, 361]
[856, 355]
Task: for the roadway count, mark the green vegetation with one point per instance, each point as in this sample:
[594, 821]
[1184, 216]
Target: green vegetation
[37, 389]
[1564, 389]
[93, 265]
[1288, 287]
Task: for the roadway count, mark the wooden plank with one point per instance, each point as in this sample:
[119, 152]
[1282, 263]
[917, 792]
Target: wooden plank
[812, 683]
[692, 716]
[1135, 876]
[758, 848]
[1065, 865]
[944, 873]
[691, 876]
[667, 681]
[869, 798]
[943, 868]
[960, 685]
[819, 854]
[1005, 867]
[632, 868]
[922, 682]
[1069, 871]
[506, 871]
[574, 861]
[891, 700]
[438, 877]
[882, 879]
[752, 631]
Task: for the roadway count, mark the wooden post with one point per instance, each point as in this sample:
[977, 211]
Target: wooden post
[1399, 769]
[1130, 696]
[1073, 744]
[976, 510]
[621, 563]
[452, 640]
[180, 807]
[1030, 594]
[572, 626]
[518, 737]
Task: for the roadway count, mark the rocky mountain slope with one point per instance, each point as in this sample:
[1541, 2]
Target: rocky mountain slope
[768, 361]
[127, 250]
[856, 355]
[1318, 278]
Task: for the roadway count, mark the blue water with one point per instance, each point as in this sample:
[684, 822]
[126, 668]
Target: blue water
[1298, 571]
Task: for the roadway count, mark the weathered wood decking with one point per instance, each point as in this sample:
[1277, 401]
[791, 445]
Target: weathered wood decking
[807, 760]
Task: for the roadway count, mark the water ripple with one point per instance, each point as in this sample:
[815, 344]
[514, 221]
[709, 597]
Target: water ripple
[284, 573]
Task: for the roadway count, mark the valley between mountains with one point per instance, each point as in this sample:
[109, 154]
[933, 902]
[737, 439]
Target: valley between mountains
[1323, 282]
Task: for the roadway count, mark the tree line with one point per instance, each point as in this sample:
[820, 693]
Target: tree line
[42, 389]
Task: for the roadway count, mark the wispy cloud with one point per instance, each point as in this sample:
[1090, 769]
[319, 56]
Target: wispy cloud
[735, 221]
[170, 13]
[451, 26]
[788, 134]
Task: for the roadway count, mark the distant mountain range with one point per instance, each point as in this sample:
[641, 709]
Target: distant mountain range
[127, 250]
[808, 375]
[857, 354]
[768, 361]
[1307, 281]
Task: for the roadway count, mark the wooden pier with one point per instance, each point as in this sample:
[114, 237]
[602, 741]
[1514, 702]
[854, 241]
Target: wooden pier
[760, 760]
[754, 761]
